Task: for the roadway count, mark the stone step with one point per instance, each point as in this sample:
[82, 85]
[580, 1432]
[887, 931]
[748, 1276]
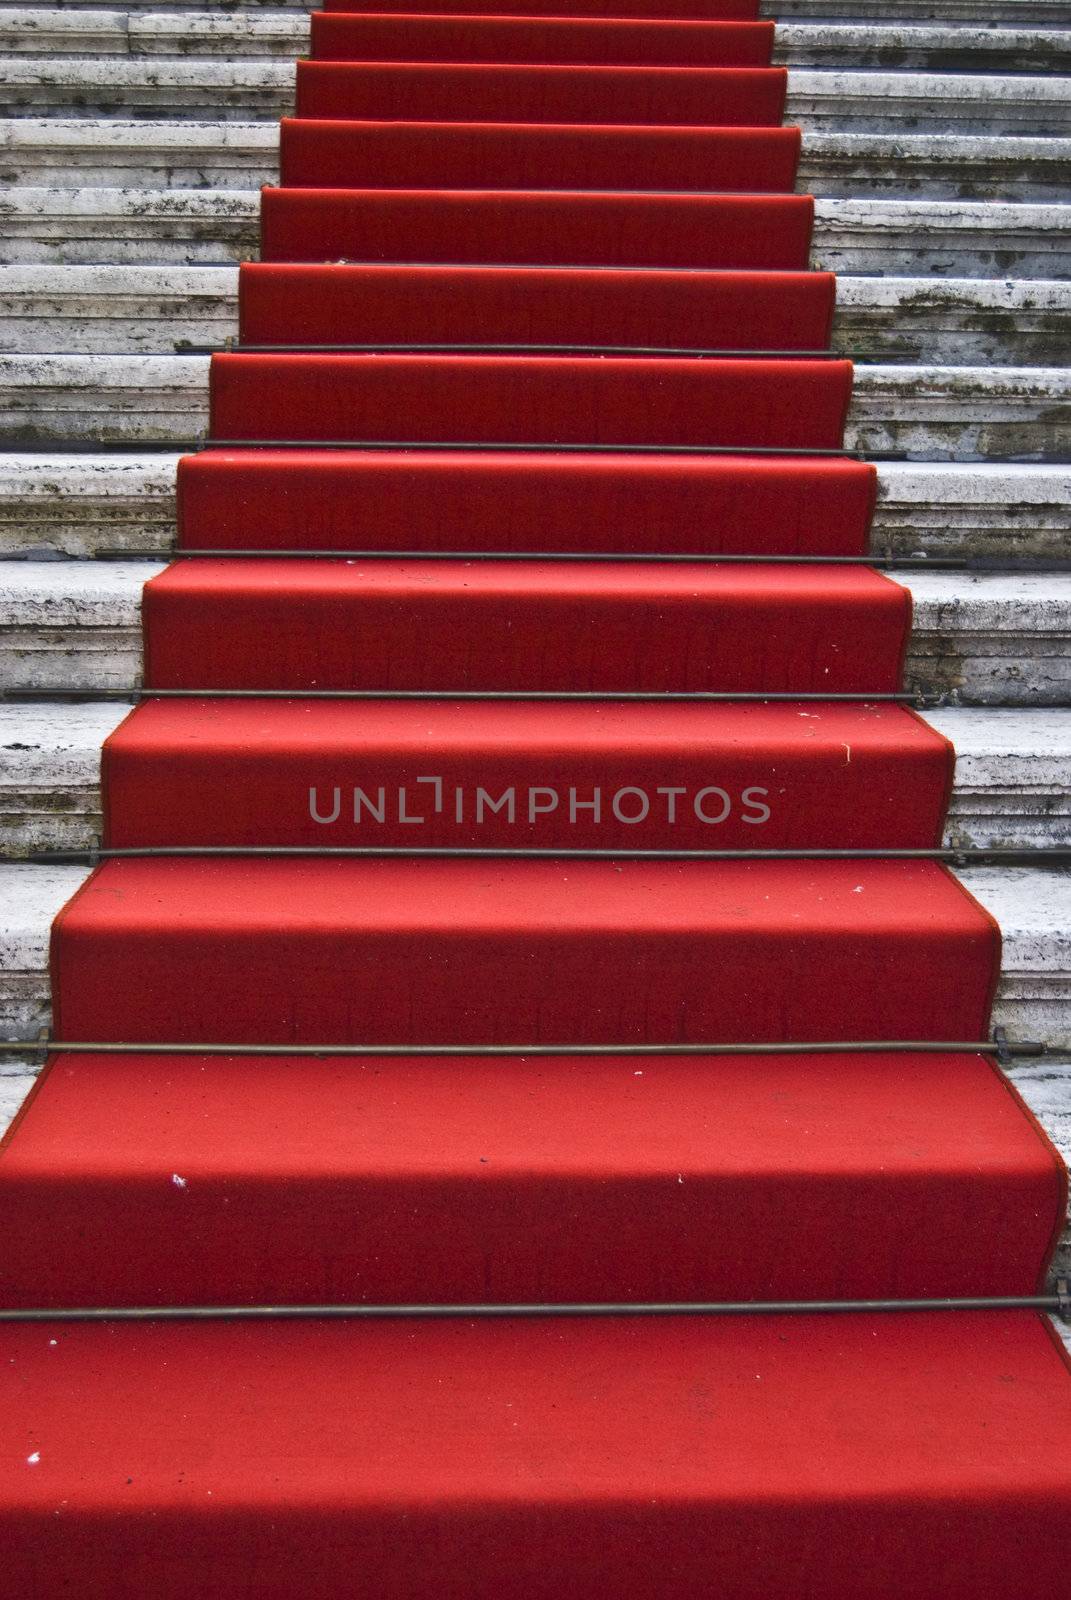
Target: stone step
[73, 152]
[1032, 906]
[934, 238]
[819, 101]
[1012, 781]
[1004, 13]
[81, 504]
[1013, 776]
[153, 310]
[918, 46]
[1046, 1088]
[918, 412]
[990, 639]
[973, 13]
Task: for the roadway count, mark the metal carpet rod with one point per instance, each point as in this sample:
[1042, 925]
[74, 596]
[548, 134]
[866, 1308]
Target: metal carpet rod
[1000, 1046]
[525, 447]
[656, 558]
[1030, 855]
[640, 351]
[1058, 1303]
[598, 696]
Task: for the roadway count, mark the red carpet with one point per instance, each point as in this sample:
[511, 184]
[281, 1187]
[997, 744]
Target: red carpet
[605, 10]
[787, 404]
[609, 41]
[523, 1180]
[443, 500]
[856, 1458]
[762, 232]
[501, 155]
[618, 627]
[548, 189]
[426, 951]
[718, 97]
[533, 306]
[696, 10]
[586, 776]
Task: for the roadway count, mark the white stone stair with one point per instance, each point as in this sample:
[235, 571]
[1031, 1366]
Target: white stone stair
[151, 310]
[986, 639]
[926, 413]
[86, 503]
[158, 153]
[1012, 780]
[818, 101]
[935, 238]
[915, 46]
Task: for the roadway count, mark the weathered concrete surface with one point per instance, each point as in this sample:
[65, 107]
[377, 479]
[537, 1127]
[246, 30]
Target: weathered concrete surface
[942, 238]
[152, 310]
[82, 400]
[95, 31]
[157, 154]
[997, 639]
[920, 46]
[951, 508]
[1002, 13]
[945, 166]
[1013, 776]
[914, 102]
[1033, 910]
[66, 624]
[80, 504]
[960, 320]
[101, 309]
[132, 225]
[936, 413]
[29, 900]
[1046, 1088]
[50, 774]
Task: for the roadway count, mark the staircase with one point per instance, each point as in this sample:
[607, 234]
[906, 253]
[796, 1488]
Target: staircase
[444, 169]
